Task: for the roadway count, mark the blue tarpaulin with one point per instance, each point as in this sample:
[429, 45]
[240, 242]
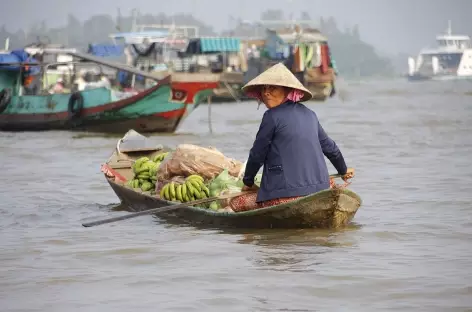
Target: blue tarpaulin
[10, 61]
[220, 44]
[106, 50]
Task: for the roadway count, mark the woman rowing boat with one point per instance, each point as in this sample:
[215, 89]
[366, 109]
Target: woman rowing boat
[290, 144]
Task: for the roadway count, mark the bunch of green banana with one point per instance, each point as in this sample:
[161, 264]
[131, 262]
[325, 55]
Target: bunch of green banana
[134, 183]
[145, 185]
[143, 165]
[169, 191]
[193, 189]
[153, 173]
[145, 174]
[160, 157]
[138, 163]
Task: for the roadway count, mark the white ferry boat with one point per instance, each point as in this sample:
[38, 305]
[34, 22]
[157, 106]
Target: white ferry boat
[451, 59]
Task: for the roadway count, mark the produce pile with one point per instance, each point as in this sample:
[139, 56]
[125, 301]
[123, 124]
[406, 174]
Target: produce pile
[189, 173]
[145, 172]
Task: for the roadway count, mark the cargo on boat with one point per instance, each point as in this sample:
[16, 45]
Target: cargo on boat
[333, 208]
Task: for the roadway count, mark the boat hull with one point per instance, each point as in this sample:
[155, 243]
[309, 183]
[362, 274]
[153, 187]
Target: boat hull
[144, 124]
[51, 112]
[321, 91]
[326, 209]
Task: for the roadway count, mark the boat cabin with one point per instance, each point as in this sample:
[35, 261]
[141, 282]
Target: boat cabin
[60, 64]
[454, 42]
[213, 54]
[301, 49]
[16, 70]
[177, 49]
[449, 41]
[32, 71]
[280, 42]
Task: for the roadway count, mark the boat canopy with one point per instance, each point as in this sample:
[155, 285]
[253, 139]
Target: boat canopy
[213, 45]
[293, 37]
[15, 59]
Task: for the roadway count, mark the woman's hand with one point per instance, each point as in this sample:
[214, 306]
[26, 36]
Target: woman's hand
[349, 174]
[253, 188]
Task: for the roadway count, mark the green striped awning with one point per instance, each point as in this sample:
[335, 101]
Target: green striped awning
[220, 44]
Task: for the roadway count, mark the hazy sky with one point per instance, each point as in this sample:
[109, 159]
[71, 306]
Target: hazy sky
[391, 26]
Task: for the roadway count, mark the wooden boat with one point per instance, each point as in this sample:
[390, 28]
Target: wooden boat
[325, 209]
[312, 62]
[156, 109]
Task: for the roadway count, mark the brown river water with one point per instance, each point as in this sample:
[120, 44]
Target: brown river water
[409, 247]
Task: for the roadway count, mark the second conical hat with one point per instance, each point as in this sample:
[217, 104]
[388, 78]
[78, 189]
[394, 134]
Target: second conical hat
[278, 75]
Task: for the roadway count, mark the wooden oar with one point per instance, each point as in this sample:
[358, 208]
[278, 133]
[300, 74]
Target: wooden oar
[165, 208]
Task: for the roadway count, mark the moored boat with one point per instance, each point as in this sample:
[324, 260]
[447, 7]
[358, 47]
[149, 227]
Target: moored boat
[98, 109]
[332, 208]
[305, 51]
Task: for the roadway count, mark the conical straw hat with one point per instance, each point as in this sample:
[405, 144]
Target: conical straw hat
[278, 75]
